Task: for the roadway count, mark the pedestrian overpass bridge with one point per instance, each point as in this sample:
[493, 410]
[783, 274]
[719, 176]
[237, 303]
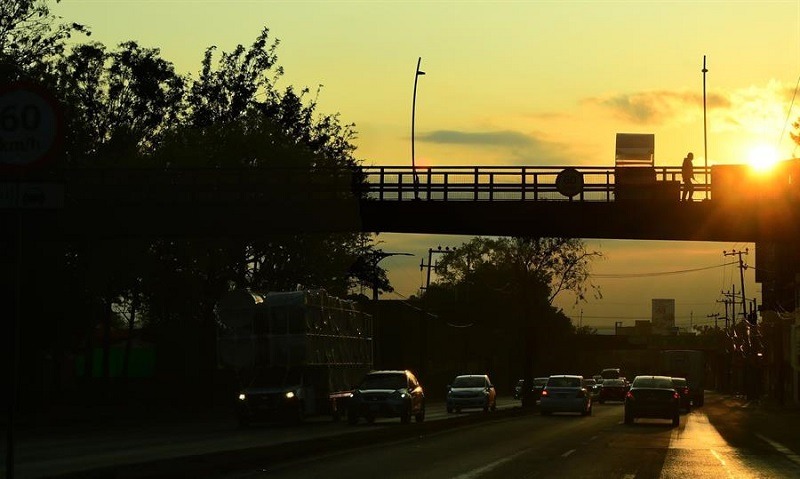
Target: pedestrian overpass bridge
[729, 204]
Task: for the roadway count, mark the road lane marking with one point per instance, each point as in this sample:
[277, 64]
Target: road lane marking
[781, 448]
[629, 476]
[719, 458]
[483, 470]
[722, 461]
[567, 454]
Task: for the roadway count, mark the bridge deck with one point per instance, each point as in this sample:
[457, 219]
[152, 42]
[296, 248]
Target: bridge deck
[609, 203]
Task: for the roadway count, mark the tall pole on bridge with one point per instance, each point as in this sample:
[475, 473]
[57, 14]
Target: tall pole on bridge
[413, 118]
[705, 130]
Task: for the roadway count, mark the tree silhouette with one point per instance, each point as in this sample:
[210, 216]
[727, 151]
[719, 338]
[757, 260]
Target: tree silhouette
[30, 39]
[513, 281]
[126, 109]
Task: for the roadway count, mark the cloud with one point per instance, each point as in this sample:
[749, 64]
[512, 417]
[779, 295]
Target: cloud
[512, 146]
[487, 138]
[760, 109]
[658, 106]
[757, 109]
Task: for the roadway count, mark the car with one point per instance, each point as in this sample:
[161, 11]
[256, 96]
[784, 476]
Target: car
[387, 393]
[595, 391]
[590, 384]
[518, 389]
[534, 392]
[538, 385]
[612, 390]
[682, 386]
[565, 393]
[652, 397]
[610, 373]
[471, 391]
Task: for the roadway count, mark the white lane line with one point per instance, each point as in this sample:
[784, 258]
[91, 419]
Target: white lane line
[567, 454]
[781, 448]
[719, 458]
[722, 461]
[492, 465]
[629, 476]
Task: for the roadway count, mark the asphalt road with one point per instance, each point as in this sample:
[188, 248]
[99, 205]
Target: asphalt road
[160, 448]
[727, 438]
[531, 446]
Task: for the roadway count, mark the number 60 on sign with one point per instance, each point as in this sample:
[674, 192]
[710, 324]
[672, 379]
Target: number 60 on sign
[30, 126]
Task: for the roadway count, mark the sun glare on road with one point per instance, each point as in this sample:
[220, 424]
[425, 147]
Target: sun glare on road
[763, 157]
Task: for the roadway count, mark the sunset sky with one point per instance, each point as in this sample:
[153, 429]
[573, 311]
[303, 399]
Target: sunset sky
[522, 83]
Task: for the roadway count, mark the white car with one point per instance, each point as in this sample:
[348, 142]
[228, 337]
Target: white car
[565, 393]
[471, 391]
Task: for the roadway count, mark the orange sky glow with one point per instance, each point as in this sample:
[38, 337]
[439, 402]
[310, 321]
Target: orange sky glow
[518, 83]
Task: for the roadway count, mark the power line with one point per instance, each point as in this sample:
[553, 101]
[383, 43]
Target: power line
[660, 273]
[789, 112]
[643, 317]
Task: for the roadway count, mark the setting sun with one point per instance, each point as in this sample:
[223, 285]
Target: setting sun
[763, 157]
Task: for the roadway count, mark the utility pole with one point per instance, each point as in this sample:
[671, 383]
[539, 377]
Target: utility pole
[715, 316]
[725, 302]
[742, 267]
[430, 264]
[731, 298]
[752, 316]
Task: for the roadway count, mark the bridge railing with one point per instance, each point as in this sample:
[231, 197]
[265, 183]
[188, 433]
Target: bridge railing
[516, 183]
[154, 186]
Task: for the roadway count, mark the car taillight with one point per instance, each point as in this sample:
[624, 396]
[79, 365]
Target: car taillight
[676, 395]
[544, 392]
[630, 396]
[685, 391]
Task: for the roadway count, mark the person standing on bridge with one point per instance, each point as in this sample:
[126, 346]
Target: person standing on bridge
[687, 172]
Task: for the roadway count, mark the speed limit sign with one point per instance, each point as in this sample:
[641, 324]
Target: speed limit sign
[30, 126]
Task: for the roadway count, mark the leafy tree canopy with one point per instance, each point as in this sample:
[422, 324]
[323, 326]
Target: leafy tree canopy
[30, 38]
[555, 264]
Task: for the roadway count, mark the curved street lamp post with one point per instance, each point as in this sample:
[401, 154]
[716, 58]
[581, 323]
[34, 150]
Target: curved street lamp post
[413, 116]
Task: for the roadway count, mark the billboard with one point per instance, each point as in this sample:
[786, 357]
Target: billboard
[663, 316]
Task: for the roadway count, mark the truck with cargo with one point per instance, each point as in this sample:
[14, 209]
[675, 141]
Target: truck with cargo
[689, 364]
[294, 354]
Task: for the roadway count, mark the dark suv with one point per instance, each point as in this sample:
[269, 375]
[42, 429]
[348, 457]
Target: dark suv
[387, 394]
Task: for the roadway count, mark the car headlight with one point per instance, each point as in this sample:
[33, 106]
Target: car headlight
[290, 395]
[400, 394]
[242, 397]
